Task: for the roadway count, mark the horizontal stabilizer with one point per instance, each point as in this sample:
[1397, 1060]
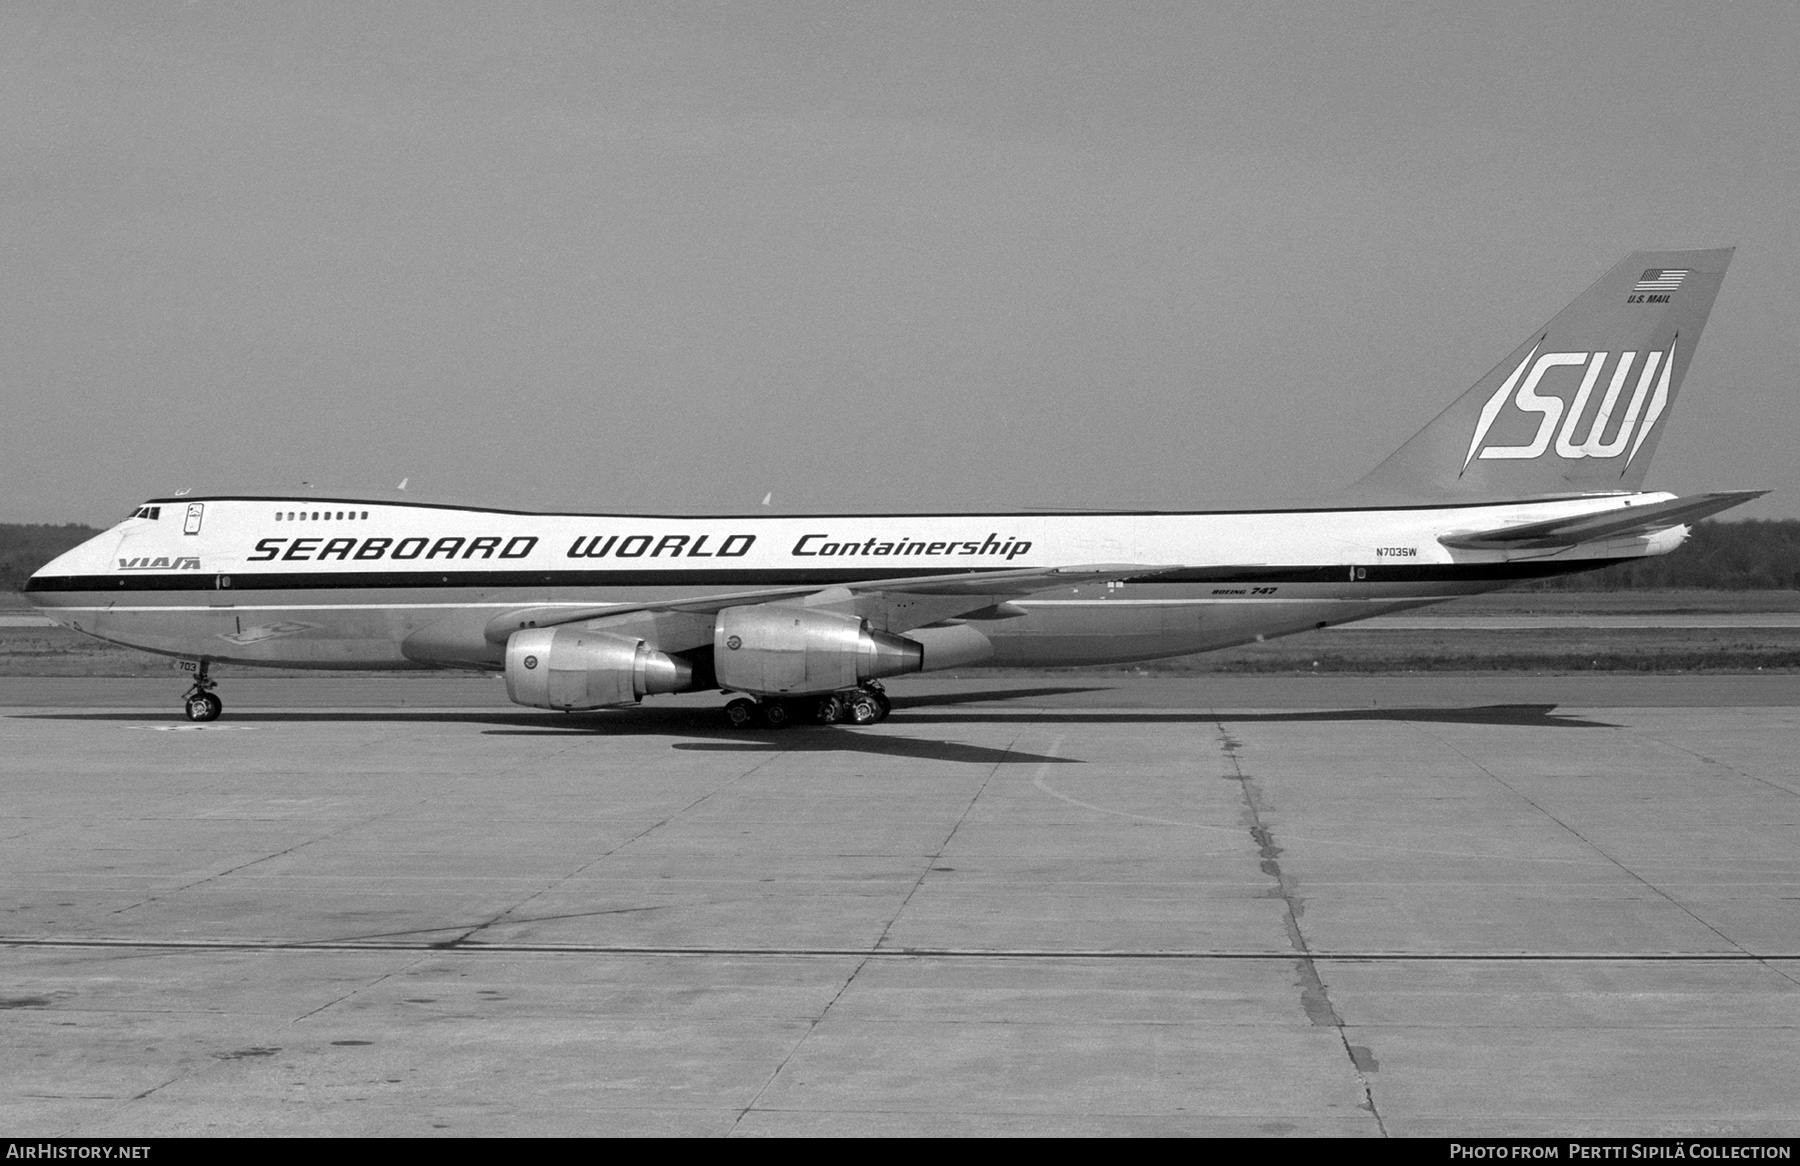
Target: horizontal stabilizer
[1619, 523]
[981, 589]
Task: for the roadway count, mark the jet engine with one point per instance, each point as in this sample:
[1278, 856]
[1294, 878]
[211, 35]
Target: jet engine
[772, 649]
[573, 668]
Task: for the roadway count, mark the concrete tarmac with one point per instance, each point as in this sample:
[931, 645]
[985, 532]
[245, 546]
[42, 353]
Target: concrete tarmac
[1219, 905]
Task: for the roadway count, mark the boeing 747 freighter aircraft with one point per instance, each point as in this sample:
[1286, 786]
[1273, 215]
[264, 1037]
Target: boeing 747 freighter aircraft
[1536, 471]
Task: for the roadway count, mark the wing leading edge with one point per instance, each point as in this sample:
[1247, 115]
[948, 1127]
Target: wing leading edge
[893, 605]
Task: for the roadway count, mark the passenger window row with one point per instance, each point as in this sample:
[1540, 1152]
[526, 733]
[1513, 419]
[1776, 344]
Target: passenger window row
[321, 516]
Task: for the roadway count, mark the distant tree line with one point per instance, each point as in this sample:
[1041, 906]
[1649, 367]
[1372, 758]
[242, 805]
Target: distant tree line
[1753, 555]
[24, 547]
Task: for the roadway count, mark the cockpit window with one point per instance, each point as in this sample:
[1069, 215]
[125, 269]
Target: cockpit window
[151, 512]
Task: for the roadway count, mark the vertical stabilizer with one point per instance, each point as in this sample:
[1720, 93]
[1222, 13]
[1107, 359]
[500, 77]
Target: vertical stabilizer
[1579, 405]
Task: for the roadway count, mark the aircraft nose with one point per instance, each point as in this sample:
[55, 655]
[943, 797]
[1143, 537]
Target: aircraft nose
[68, 570]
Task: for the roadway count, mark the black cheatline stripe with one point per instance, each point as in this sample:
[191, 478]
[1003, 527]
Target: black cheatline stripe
[771, 577]
[1375, 573]
[413, 580]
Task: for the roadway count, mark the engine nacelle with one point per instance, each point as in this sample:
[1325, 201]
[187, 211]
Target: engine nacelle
[772, 648]
[573, 668]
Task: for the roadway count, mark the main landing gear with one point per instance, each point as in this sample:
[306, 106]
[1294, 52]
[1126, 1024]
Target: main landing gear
[200, 703]
[866, 704]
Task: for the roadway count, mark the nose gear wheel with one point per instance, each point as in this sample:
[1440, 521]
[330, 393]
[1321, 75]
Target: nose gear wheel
[200, 703]
[203, 706]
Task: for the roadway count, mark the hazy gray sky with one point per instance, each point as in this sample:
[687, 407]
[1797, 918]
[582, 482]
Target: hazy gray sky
[672, 257]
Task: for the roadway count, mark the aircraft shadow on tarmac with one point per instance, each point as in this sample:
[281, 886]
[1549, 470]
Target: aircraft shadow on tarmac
[650, 718]
[1537, 716]
[803, 738]
[799, 739]
[920, 710]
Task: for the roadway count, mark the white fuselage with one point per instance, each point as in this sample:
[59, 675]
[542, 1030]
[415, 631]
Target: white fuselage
[363, 584]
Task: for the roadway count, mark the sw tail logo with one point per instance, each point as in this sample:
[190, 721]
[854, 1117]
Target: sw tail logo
[1648, 400]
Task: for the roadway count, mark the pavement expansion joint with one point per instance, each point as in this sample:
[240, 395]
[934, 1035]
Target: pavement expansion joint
[972, 953]
[1315, 994]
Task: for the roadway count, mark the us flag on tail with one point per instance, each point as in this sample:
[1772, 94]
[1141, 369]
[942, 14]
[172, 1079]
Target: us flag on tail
[1660, 280]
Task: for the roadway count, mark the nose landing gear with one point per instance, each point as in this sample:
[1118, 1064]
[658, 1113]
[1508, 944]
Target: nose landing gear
[200, 704]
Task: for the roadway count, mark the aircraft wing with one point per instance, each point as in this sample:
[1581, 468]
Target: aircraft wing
[897, 604]
[1619, 523]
